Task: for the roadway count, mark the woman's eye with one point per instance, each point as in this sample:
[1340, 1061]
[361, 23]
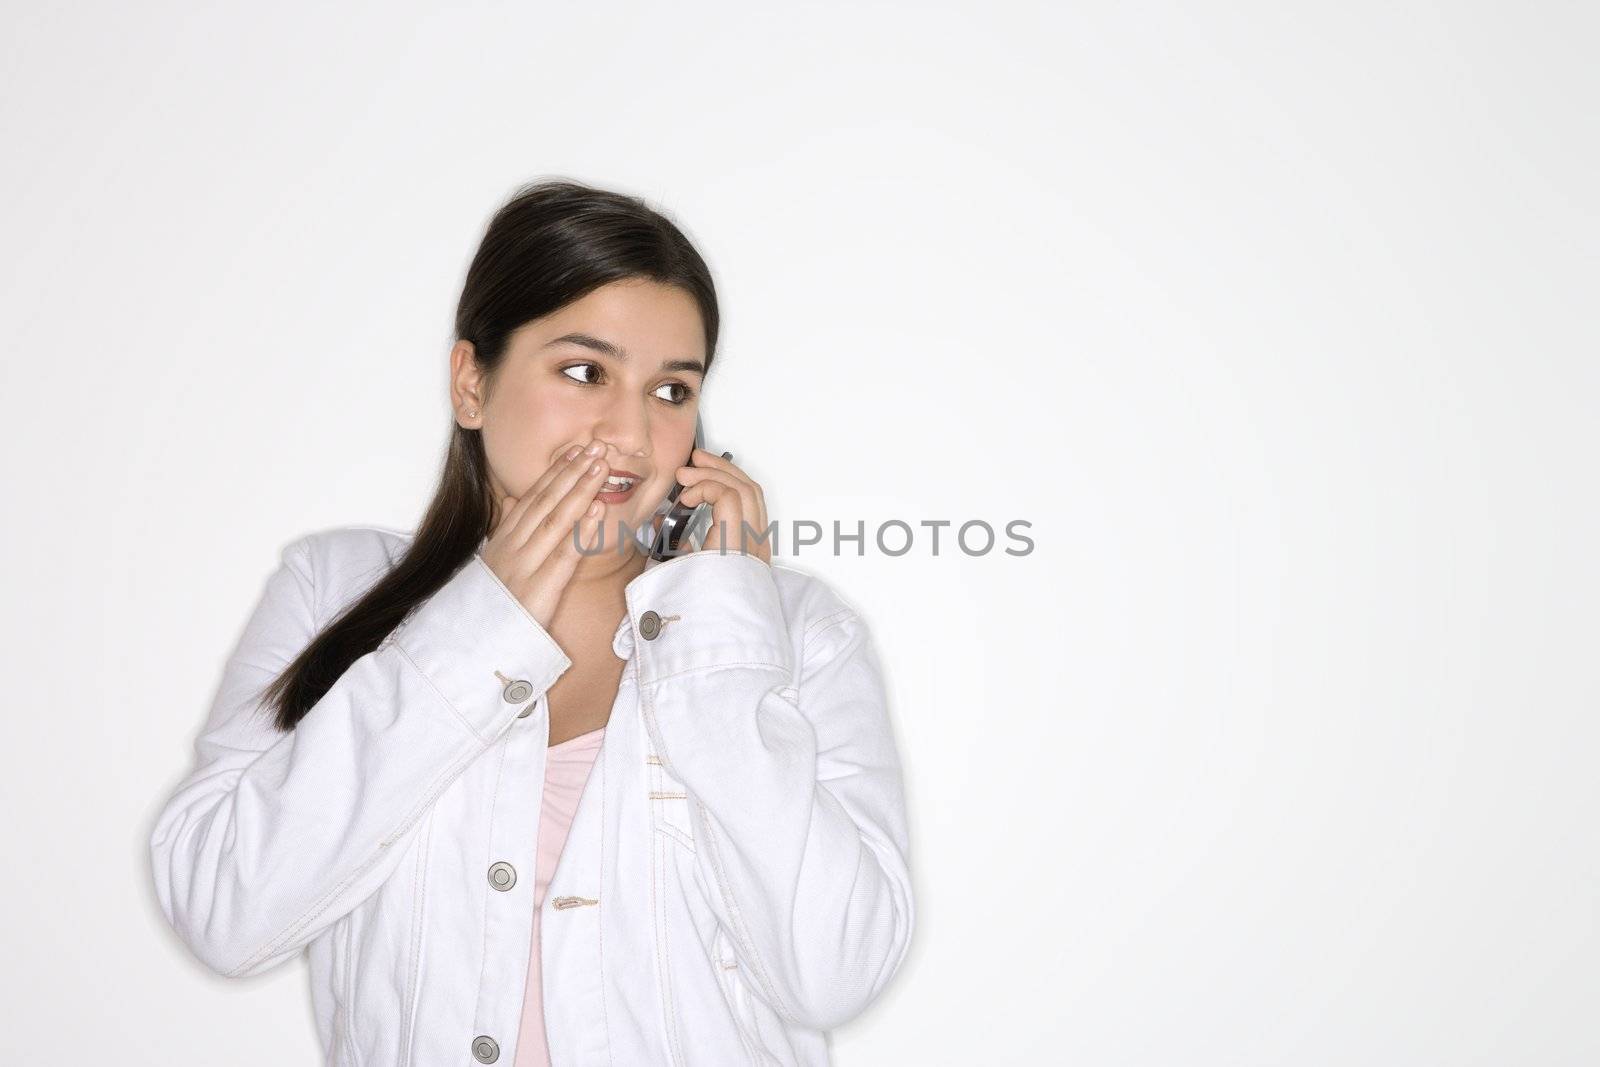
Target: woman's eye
[685, 393]
[584, 377]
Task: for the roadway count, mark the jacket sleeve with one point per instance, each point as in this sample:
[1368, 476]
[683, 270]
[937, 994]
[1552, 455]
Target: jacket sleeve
[793, 780]
[273, 837]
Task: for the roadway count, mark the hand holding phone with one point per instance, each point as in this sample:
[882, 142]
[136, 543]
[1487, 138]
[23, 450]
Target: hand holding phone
[682, 529]
[719, 508]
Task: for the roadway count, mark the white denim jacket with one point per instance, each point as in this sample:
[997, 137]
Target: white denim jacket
[735, 881]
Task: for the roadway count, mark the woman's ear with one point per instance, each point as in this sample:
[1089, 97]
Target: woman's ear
[467, 393]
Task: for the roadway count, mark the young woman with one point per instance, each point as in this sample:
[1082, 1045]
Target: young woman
[521, 792]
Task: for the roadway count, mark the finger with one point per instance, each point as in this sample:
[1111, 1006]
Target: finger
[577, 472]
[583, 533]
[761, 519]
[749, 495]
[755, 504]
[737, 479]
[573, 454]
[727, 513]
[518, 507]
[711, 461]
[546, 532]
[727, 517]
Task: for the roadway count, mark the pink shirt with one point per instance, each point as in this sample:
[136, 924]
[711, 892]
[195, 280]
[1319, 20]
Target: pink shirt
[567, 767]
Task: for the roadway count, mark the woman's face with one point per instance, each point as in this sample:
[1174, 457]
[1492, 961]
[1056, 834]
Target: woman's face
[623, 365]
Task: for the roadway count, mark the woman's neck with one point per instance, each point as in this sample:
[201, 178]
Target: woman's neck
[607, 571]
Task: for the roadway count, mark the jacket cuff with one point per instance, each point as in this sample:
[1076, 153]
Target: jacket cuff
[728, 614]
[470, 629]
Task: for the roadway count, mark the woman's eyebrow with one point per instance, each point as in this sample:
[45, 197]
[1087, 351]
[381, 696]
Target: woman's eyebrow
[620, 354]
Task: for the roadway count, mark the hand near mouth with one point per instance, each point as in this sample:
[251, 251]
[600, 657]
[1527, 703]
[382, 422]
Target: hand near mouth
[532, 548]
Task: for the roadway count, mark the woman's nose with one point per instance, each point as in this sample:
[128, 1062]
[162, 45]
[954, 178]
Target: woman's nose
[628, 435]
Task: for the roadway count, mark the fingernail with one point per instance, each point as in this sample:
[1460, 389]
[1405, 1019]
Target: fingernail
[594, 449]
[594, 468]
[574, 450]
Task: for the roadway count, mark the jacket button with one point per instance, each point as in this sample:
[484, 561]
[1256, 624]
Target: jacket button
[502, 876]
[649, 625]
[484, 1049]
[516, 692]
[525, 712]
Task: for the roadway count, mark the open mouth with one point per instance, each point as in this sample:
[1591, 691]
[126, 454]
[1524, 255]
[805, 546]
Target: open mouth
[616, 490]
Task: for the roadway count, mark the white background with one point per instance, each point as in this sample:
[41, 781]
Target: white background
[1276, 321]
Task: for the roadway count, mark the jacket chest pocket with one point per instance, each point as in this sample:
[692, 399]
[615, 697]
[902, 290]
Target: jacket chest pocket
[669, 804]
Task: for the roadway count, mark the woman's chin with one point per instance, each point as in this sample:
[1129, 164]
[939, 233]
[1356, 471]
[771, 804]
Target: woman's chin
[622, 523]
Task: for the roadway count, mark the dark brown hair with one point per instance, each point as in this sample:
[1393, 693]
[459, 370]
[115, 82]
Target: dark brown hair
[552, 243]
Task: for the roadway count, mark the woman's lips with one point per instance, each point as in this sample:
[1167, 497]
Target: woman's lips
[619, 495]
